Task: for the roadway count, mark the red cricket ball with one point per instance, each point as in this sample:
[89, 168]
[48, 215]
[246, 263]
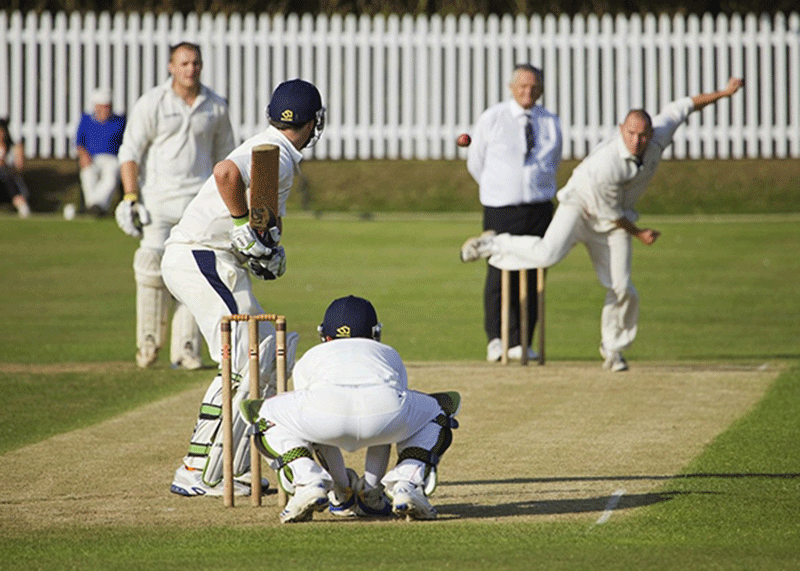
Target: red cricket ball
[463, 140]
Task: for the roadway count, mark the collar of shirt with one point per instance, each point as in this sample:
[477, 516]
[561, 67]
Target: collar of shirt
[519, 113]
[624, 153]
[202, 95]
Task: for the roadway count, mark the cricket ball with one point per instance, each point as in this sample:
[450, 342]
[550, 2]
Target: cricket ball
[463, 140]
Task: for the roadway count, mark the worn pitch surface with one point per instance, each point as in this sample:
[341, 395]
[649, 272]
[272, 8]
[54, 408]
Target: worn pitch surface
[535, 443]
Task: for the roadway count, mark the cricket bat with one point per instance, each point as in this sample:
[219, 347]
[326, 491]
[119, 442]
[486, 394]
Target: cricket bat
[264, 187]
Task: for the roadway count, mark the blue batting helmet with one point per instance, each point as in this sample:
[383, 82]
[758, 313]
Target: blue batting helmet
[350, 317]
[295, 102]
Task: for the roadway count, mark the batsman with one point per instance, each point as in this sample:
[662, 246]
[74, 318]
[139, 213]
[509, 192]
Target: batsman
[232, 229]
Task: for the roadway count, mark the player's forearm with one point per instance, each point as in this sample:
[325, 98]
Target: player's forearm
[628, 226]
[19, 156]
[84, 158]
[129, 174]
[231, 188]
[645, 235]
[705, 99]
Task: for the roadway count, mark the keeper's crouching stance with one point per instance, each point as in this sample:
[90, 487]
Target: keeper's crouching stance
[351, 392]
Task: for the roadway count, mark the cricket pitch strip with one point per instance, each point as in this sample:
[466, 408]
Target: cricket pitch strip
[564, 441]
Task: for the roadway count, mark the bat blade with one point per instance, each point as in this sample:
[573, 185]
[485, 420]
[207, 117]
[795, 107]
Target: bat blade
[264, 187]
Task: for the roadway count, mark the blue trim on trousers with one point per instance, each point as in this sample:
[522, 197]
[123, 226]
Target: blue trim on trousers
[207, 262]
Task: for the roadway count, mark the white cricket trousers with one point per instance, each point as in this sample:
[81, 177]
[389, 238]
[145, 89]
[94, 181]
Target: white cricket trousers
[350, 417]
[610, 253]
[212, 284]
[99, 180]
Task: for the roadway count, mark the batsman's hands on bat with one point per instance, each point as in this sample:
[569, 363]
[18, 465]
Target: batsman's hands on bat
[249, 241]
[131, 216]
[269, 267]
[270, 236]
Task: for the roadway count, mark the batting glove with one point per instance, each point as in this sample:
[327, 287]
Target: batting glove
[131, 216]
[247, 240]
[269, 267]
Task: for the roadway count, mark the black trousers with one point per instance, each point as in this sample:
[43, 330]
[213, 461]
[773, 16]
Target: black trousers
[523, 219]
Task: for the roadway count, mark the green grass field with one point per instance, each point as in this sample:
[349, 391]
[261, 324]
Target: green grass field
[720, 290]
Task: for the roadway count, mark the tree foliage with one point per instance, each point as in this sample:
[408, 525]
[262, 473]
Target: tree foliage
[413, 7]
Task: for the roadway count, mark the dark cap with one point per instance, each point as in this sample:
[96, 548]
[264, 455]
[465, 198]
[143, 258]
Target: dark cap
[295, 102]
[350, 317]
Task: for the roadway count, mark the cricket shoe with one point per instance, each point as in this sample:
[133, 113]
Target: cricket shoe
[409, 501]
[147, 354]
[478, 247]
[516, 353]
[494, 350]
[613, 360]
[371, 502]
[343, 501]
[305, 501]
[188, 359]
[342, 504]
[189, 482]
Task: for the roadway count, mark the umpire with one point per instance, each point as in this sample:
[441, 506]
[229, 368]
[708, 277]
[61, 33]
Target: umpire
[514, 155]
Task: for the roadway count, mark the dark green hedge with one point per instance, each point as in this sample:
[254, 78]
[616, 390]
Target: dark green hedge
[415, 7]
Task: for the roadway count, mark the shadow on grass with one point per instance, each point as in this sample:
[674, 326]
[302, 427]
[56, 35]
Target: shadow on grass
[655, 477]
[585, 505]
[556, 507]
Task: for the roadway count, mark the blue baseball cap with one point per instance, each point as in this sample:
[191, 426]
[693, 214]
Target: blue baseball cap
[295, 102]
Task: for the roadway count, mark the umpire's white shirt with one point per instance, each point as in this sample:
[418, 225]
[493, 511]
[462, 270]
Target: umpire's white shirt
[350, 362]
[608, 183]
[176, 146]
[496, 157]
[206, 221]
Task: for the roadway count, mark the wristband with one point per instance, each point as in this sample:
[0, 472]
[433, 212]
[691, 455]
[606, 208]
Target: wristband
[241, 220]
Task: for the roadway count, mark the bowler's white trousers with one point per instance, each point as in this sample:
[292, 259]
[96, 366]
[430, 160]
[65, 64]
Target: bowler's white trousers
[610, 253]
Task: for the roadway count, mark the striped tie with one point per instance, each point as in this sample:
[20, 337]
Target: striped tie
[529, 140]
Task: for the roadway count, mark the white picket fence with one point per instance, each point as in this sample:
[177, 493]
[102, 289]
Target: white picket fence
[404, 87]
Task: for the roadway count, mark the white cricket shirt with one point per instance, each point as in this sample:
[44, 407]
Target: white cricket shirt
[207, 221]
[496, 157]
[348, 362]
[176, 146]
[608, 183]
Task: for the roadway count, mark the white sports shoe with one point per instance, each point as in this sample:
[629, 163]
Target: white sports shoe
[494, 350]
[516, 353]
[147, 353]
[371, 501]
[613, 360]
[343, 501]
[410, 502]
[189, 360]
[305, 501]
[478, 247]
[189, 482]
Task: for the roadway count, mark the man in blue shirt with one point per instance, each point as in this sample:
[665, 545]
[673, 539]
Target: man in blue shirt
[98, 140]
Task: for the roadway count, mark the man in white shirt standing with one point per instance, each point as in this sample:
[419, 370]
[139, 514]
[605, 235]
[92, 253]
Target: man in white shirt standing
[207, 264]
[175, 135]
[596, 207]
[514, 155]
